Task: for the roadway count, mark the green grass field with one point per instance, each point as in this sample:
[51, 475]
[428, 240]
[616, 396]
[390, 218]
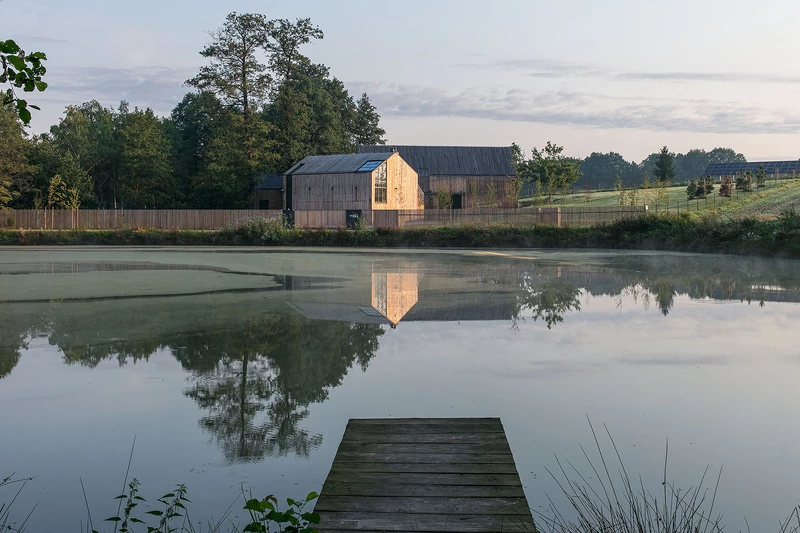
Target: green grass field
[766, 202]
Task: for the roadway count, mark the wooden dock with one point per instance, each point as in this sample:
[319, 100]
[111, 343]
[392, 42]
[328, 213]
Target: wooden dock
[424, 475]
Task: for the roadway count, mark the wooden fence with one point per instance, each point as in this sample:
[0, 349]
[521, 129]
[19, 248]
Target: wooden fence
[129, 218]
[555, 216]
[214, 220]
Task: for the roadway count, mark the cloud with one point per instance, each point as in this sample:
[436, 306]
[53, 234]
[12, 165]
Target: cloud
[722, 77]
[23, 39]
[544, 68]
[157, 87]
[564, 107]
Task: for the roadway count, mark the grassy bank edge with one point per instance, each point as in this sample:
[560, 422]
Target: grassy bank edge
[684, 233]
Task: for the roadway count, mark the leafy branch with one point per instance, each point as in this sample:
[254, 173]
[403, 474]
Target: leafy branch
[21, 71]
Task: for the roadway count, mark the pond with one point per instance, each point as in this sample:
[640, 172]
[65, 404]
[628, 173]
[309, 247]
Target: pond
[239, 368]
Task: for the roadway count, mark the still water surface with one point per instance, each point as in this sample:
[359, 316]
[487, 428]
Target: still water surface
[234, 367]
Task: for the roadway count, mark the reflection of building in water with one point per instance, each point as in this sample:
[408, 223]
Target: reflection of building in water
[394, 294]
[371, 297]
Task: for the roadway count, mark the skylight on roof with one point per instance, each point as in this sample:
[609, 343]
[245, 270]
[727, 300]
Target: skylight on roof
[369, 166]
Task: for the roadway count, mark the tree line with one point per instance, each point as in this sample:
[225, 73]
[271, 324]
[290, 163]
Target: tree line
[602, 171]
[256, 107]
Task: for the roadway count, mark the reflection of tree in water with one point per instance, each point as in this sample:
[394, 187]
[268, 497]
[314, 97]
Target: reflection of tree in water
[9, 357]
[664, 292]
[547, 299]
[253, 374]
[14, 333]
[266, 374]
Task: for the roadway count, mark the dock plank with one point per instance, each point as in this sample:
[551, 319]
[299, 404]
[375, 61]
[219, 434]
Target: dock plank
[426, 505]
[452, 523]
[424, 475]
[426, 448]
[486, 458]
[425, 468]
[360, 435]
[402, 490]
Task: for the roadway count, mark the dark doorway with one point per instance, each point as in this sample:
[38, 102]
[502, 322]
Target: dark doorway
[458, 201]
[289, 192]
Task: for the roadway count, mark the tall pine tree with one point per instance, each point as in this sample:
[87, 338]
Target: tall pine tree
[665, 166]
[367, 129]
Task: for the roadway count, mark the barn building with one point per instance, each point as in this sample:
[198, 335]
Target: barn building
[365, 182]
[269, 192]
[472, 176]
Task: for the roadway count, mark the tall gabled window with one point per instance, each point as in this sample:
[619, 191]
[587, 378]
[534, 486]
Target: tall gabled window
[380, 184]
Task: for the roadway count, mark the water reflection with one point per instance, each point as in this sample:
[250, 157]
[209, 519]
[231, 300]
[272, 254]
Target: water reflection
[255, 384]
[259, 355]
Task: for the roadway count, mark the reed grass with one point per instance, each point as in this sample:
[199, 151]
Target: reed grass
[610, 500]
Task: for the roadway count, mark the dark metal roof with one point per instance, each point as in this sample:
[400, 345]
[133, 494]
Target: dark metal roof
[453, 160]
[772, 167]
[336, 164]
[271, 182]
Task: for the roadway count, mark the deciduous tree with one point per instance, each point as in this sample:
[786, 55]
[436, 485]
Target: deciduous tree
[13, 155]
[145, 170]
[551, 168]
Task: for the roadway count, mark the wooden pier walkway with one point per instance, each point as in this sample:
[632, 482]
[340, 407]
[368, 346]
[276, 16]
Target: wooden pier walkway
[424, 475]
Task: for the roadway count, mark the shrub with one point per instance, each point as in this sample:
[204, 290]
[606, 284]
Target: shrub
[259, 229]
[444, 199]
[744, 182]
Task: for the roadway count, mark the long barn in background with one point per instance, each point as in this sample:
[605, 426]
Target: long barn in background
[470, 176]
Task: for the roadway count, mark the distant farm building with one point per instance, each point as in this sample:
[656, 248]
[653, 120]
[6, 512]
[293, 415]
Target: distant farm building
[772, 168]
[471, 177]
[365, 182]
[269, 192]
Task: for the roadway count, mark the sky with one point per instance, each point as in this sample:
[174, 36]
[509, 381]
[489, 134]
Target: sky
[627, 76]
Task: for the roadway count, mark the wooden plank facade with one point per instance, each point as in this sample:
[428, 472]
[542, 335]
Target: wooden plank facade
[424, 475]
[314, 189]
[471, 192]
[471, 176]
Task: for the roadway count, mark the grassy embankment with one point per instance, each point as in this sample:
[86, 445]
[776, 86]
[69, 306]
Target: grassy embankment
[769, 201]
[689, 232]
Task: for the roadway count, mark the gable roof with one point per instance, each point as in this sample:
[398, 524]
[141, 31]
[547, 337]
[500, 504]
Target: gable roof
[270, 182]
[452, 160]
[336, 164]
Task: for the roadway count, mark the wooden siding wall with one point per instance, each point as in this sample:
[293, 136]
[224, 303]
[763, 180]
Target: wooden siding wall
[474, 189]
[402, 186]
[324, 192]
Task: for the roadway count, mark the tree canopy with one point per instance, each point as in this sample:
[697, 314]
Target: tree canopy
[548, 167]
